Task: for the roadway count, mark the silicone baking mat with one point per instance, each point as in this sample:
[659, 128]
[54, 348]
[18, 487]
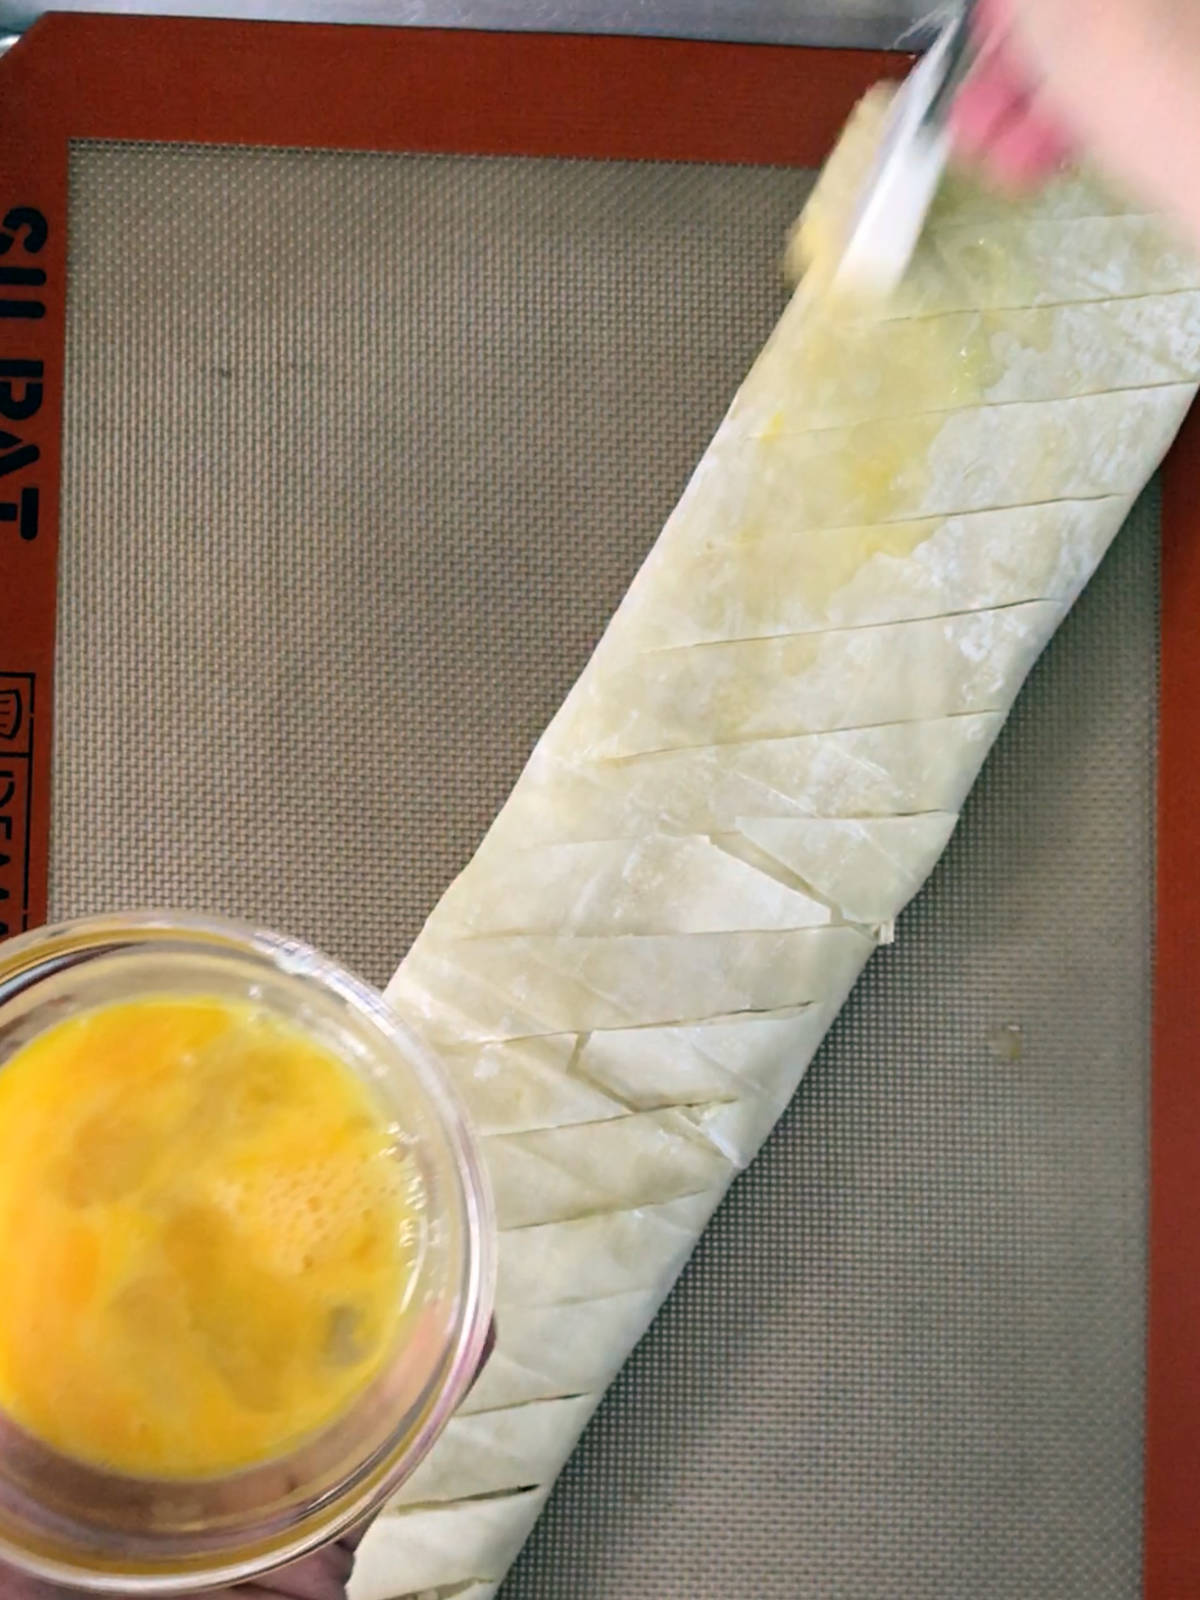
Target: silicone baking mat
[376, 391]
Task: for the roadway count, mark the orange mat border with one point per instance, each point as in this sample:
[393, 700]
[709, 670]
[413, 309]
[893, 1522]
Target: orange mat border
[1172, 1489]
[357, 88]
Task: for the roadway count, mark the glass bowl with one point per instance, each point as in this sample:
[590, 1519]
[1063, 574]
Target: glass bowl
[97, 1529]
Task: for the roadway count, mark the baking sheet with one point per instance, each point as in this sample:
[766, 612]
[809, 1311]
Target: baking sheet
[883, 24]
[360, 452]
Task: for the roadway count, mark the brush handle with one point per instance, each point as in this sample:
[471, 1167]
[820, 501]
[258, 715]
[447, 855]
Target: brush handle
[960, 58]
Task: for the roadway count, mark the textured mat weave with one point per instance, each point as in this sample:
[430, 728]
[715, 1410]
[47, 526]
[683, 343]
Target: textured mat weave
[361, 452]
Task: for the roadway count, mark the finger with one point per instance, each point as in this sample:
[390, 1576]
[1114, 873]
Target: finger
[355, 1536]
[991, 18]
[996, 121]
[987, 103]
[16, 1586]
[321, 1576]
[1027, 149]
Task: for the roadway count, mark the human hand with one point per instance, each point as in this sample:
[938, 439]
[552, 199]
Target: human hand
[1118, 80]
[323, 1575]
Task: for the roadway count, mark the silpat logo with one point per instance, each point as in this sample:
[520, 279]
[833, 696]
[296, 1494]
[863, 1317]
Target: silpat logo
[16, 764]
[11, 713]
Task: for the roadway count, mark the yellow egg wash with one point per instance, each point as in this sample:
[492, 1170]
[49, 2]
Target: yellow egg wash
[205, 1239]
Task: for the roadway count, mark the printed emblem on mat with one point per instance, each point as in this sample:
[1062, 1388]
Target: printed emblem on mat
[16, 776]
[23, 235]
[12, 713]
